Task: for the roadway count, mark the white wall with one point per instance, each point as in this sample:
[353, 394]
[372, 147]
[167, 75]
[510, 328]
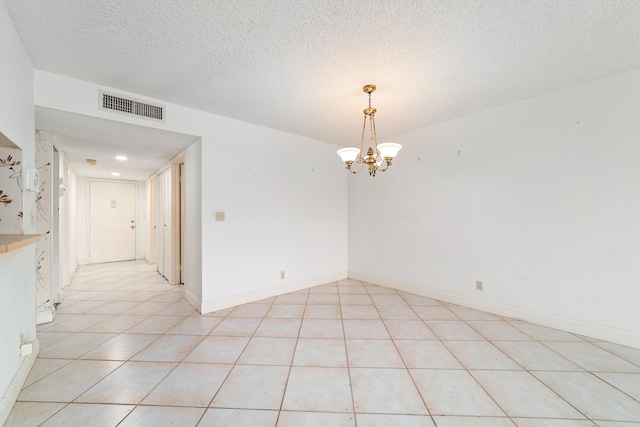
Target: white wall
[285, 205]
[17, 269]
[285, 198]
[193, 228]
[45, 298]
[538, 199]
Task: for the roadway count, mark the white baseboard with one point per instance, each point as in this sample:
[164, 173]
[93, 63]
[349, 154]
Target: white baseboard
[576, 326]
[11, 395]
[232, 301]
[191, 299]
[45, 316]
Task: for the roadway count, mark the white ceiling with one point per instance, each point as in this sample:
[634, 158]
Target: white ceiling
[299, 66]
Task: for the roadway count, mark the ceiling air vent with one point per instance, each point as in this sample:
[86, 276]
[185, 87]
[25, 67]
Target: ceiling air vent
[113, 102]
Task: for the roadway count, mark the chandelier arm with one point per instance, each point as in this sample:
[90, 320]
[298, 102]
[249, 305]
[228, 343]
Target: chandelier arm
[374, 138]
[386, 166]
[356, 171]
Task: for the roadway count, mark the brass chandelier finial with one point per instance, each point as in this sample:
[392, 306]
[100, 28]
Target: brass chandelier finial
[379, 156]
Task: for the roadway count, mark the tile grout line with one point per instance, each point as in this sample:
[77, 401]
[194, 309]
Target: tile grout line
[346, 353]
[393, 341]
[293, 355]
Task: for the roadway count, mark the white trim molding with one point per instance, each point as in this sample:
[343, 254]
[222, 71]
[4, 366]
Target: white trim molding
[45, 316]
[192, 299]
[10, 397]
[232, 301]
[576, 326]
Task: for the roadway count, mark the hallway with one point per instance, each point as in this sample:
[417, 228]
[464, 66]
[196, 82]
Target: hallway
[126, 349]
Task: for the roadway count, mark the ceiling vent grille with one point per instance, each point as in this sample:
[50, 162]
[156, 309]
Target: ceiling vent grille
[120, 104]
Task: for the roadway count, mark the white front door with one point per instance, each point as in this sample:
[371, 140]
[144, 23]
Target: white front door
[112, 226]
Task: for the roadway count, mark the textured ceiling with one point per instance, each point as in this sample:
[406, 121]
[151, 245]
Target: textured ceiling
[299, 65]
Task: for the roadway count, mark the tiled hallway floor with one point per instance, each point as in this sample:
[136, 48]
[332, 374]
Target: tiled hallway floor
[126, 349]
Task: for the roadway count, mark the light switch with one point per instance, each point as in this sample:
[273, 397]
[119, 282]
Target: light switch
[219, 216]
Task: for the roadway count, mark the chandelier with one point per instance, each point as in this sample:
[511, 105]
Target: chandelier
[379, 156]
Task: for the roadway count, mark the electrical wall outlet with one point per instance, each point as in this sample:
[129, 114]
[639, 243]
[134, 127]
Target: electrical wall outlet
[219, 216]
[282, 275]
[479, 285]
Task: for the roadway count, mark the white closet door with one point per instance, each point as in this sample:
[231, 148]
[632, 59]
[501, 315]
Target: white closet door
[164, 223]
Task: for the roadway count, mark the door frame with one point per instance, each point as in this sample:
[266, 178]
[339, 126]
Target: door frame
[177, 214]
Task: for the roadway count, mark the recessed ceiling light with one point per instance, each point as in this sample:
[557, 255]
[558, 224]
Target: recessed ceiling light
[121, 157]
[115, 174]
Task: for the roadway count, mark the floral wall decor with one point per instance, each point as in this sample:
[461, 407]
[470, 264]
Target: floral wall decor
[44, 214]
[10, 190]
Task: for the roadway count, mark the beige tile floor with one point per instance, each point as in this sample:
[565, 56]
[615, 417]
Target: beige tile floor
[127, 350]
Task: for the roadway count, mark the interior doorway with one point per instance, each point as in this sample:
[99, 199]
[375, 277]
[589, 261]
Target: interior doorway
[171, 221]
[112, 221]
